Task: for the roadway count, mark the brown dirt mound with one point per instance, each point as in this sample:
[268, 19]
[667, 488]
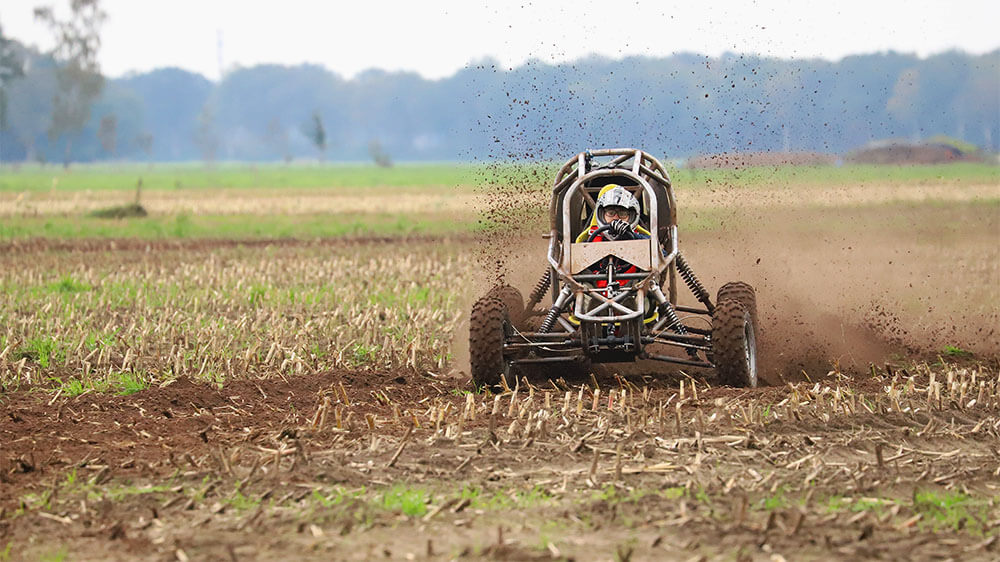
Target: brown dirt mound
[907, 153]
[737, 160]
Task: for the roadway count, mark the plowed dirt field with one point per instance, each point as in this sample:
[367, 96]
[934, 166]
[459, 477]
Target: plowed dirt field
[308, 400]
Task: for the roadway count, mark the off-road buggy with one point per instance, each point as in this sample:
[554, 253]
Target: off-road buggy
[598, 314]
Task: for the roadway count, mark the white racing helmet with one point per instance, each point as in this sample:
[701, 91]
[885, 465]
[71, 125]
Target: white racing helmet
[618, 196]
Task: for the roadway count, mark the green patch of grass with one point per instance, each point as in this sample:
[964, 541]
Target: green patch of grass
[31, 501]
[838, 503]
[240, 502]
[951, 510]
[98, 340]
[778, 500]
[76, 387]
[437, 176]
[505, 500]
[415, 297]
[123, 177]
[45, 351]
[130, 382]
[409, 501]
[955, 351]
[69, 285]
[362, 354]
[123, 383]
[239, 227]
[762, 176]
[256, 295]
[835, 503]
[871, 504]
[118, 493]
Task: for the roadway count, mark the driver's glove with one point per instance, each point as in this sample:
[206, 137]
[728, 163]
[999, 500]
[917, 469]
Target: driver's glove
[619, 228]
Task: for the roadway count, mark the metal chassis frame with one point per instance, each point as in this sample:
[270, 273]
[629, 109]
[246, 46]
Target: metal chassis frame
[567, 287]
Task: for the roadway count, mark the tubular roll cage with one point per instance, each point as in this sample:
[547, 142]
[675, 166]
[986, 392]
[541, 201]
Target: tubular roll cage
[658, 258]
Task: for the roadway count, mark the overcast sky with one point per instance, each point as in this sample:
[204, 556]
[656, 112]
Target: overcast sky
[436, 38]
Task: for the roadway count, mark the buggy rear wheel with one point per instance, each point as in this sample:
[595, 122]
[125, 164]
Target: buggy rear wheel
[489, 325]
[745, 294]
[734, 344]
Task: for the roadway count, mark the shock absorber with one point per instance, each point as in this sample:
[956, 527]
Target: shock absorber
[667, 311]
[692, 282]
[540, 289]
[550, 318]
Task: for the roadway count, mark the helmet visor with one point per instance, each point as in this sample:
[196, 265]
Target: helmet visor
[615, 212]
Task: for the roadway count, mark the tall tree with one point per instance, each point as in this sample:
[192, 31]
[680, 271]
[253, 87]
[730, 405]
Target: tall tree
[78, 41]
[379, 154]
[11, 67]
[316, 132]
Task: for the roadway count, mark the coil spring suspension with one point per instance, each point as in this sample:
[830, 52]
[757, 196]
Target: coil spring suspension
[550, 320]
[692, 282]
[540, 288]
[668, 312]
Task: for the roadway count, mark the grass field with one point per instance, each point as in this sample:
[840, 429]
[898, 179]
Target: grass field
[424, 177]
[272, 364]
[276, 201]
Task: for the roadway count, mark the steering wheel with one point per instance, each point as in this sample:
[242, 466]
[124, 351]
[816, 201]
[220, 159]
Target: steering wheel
[605, 228]
[598, 232]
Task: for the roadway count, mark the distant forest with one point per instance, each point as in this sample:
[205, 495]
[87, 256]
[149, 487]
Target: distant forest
[677, 106]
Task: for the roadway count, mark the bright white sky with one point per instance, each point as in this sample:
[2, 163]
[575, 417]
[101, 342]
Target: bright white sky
[438, 37]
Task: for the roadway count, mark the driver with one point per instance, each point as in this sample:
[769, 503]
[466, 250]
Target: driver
[617, 218]
[618, 211]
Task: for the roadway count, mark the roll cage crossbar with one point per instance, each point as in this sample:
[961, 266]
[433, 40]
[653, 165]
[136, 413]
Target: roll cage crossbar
[647, 179]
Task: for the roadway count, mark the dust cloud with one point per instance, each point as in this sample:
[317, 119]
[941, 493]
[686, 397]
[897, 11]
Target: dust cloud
[839, 289]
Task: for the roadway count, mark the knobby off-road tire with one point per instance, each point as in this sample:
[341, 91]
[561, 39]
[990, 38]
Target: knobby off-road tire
[512, 298]
[746, 295]
[488, 327]
[734, 344]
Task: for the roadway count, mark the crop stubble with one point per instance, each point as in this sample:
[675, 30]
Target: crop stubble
[338, 432]
[304, 468]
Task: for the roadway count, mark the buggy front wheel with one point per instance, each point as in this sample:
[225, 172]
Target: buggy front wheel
[734, 344]
[489, 326]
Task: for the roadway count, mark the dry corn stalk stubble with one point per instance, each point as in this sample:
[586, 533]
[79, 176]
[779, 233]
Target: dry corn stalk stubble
[787, 455]
[231, 313]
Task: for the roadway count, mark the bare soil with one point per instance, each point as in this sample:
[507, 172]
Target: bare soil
[261, 469]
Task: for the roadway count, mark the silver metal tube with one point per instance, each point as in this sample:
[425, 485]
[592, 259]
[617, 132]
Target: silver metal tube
[679, 361]
[571, 343]
[692, 310]
[546, 360]
[565, 324]
[680, 344]
[654, 288]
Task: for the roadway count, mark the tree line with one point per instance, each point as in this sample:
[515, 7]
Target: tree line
[677, 106]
